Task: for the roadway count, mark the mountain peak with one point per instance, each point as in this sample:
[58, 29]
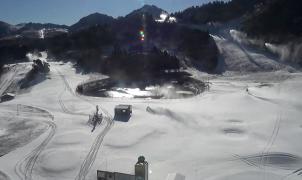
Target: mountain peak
[91, 20]
[148, 9]
[5, 29]
[146, 6]
[96, 14]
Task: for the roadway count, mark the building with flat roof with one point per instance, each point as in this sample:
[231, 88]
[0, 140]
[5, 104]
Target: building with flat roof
[122, 112]
[105, 175]
[141, 172]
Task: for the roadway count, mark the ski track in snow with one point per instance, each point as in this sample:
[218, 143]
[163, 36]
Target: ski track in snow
[24, 168]
[90, 158]
[245, 160]
[270, 144]
[237, 57]
[9, 79]
[3, 176]
[65, 109]
[240, 58]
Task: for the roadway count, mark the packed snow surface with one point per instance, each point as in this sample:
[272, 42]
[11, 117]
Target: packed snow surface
[245, 127]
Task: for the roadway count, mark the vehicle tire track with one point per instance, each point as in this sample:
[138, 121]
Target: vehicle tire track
[262, 98]
[90, 158]
[270, 143]
[24, 168]
[67, 87]
[297, 172]
[8, 82]
[271, 139]
[3, 176]
[245, 160]
[80, 96]
[65, 109]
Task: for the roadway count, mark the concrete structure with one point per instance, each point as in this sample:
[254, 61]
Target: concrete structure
[141, 172]
[7, 97]
[141, 169]
[105, 175]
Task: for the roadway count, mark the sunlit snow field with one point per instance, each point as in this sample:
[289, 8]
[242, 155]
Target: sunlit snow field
[224, 133]
[246, 127]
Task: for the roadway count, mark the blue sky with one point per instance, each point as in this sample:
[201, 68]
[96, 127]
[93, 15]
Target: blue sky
[70, 11]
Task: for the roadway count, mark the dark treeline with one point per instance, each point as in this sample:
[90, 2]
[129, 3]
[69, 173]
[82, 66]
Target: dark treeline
[93, 46]
[276, 21]
[135, 65]
[217, 11]
[4, 29]
[1, 67]
[95, 37]
[38, 26]
[195, 44]
[11, 30]
[92, 19]
[273, 20]
[15, 50]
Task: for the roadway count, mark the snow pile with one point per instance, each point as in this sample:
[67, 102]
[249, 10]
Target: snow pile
[164, 17]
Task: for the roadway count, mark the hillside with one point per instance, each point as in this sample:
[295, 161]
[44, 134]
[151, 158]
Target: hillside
[217, 11]
[91, 20]
[90, 47]
[276, 21]
[152, 10]
[5, 29]
[271, 20]
[38, 26]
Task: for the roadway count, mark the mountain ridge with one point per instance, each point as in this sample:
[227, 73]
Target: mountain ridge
[91, 20]
[152, 10]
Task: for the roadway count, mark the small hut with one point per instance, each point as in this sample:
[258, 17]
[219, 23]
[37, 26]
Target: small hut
[123, 110]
